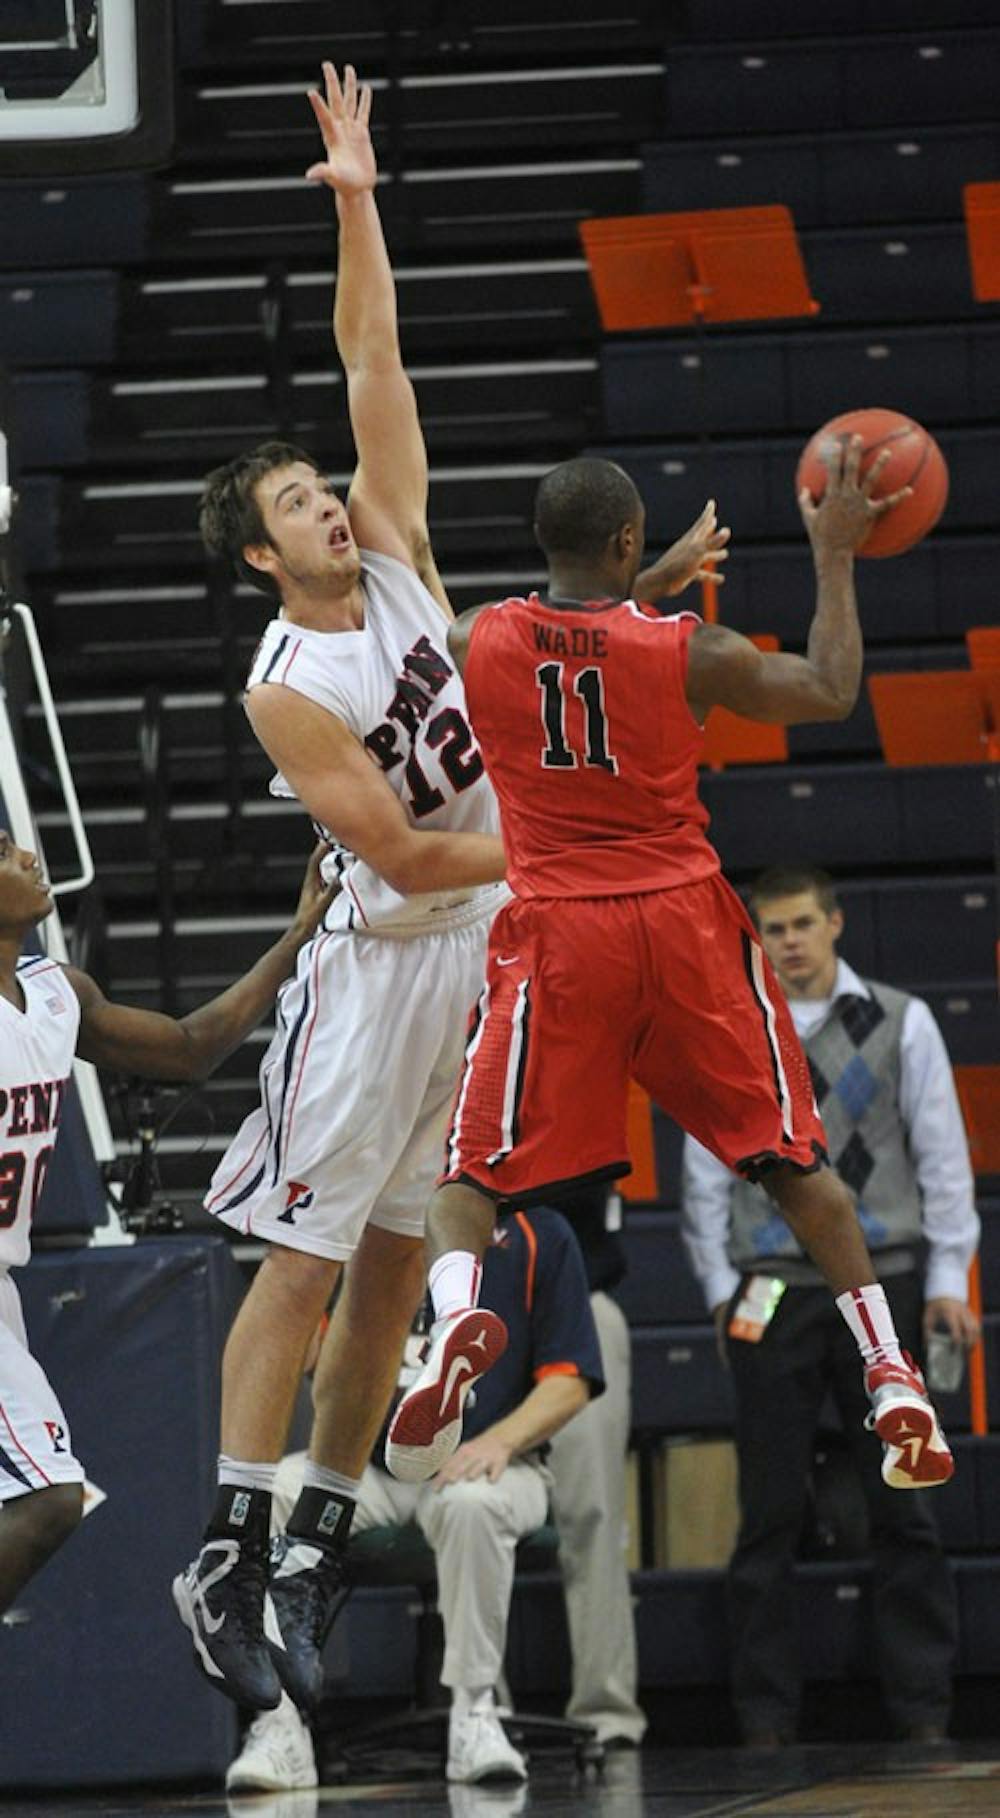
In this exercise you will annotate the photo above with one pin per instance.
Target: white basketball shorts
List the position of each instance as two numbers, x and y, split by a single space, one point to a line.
355 1090
35 1446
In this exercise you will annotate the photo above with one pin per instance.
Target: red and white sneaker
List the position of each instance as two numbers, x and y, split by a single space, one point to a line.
427 1425
916 1451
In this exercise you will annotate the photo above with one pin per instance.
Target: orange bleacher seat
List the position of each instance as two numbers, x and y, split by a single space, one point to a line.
983 645
709 265
938 716
982 226
979 1097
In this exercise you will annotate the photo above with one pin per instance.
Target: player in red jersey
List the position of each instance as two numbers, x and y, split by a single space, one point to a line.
625 953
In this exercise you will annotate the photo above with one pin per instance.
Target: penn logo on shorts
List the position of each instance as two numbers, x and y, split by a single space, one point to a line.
57 1435
300 1198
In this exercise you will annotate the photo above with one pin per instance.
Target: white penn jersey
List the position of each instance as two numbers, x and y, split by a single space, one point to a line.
394 684
36 1059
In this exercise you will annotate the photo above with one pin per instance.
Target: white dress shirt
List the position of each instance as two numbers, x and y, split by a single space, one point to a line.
935 1137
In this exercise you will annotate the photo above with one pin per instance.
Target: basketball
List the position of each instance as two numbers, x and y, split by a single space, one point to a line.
914 460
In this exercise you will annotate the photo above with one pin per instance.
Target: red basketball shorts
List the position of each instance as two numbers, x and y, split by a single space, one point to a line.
672 988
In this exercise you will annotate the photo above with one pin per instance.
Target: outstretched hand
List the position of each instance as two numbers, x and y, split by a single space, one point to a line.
349 166
843 517
315 896
692 558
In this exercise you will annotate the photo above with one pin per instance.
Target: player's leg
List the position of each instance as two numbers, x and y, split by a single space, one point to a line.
32 1528
302 1175
400 1093
540 1103
915 1618
355 1376
724 1058
220 1597
41 1482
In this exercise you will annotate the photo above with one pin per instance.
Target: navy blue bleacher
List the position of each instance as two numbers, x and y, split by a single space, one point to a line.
871 81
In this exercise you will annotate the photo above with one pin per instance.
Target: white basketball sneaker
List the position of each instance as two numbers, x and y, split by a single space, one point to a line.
427 1425
478 1749
277 1754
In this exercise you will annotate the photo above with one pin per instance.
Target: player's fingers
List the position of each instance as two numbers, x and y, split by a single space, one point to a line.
883 505
716 548
350 91
365 106
709 574
334 95
807 505
324 118
852 460
871 477
832 456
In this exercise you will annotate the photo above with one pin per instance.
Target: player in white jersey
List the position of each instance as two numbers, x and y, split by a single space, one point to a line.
355 699
48 1013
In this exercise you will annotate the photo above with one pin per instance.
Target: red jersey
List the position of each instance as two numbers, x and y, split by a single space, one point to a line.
584 726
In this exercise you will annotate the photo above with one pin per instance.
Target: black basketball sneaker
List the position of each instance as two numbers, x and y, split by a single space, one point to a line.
220 1600
306 1590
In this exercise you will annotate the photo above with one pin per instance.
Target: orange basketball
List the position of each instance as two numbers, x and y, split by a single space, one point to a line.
914 460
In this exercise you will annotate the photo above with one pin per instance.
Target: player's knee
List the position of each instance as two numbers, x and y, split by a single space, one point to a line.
302 1278
55 1514
820 1191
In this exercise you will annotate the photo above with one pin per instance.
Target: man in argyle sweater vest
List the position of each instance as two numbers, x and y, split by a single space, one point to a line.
886 1095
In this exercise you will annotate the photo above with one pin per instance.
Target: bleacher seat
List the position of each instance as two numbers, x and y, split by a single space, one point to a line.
76 223
871 81
967 1014
724 384
849 179
438 111
755 481
49 315
678 1382
839 815
947 814
936 929
715 21
890 274
503 303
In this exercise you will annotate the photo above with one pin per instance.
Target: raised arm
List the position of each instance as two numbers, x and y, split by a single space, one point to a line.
160 1047
388 496
727 670
345 792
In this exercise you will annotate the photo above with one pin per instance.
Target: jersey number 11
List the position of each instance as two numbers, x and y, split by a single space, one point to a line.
588 686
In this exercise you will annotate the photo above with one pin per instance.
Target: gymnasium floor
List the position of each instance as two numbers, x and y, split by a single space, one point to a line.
860 1781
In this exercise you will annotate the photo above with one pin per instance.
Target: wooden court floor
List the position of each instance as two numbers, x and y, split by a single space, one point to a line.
854 1781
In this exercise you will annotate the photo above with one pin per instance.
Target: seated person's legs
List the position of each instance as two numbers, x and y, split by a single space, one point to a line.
474 1527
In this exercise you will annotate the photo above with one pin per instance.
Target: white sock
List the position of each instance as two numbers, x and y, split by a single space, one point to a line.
454 1282
866 1311
321 1477
246 1476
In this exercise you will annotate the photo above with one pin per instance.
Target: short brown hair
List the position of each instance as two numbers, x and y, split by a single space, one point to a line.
793 880
230 517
